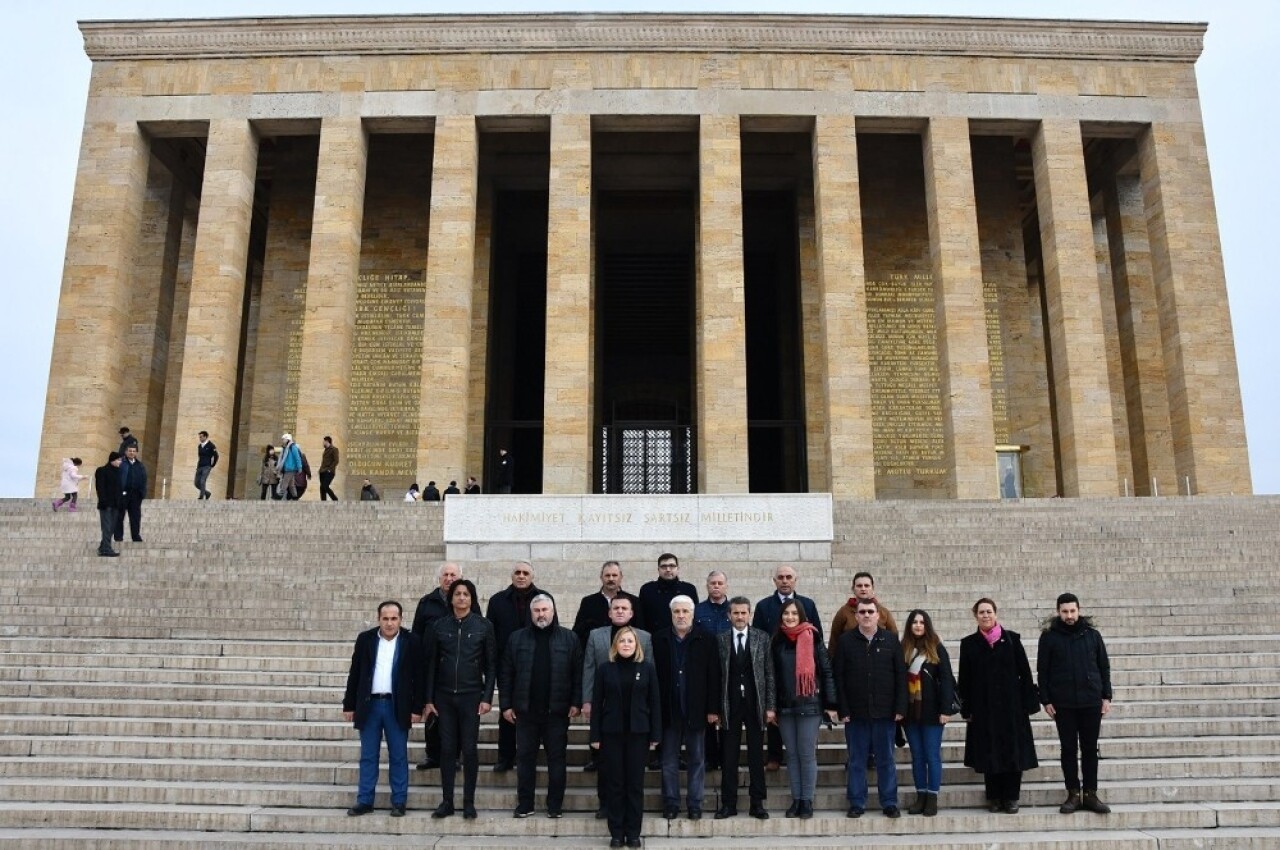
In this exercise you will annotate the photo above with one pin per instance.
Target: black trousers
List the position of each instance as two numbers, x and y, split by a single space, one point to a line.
107 519
623 758
132 507
552 733
775 743
459 725
326 492
745 718
1081 725
711 746
506 740
431 734
1003 786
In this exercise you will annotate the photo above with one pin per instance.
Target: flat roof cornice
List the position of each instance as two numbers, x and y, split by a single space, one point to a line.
211 38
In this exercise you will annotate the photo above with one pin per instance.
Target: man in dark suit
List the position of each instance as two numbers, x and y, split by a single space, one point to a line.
432 607
688 665
132 486
768 611
593 610
509 612
384 697
106 482
748 701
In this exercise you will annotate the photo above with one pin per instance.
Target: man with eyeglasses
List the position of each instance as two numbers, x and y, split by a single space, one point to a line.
509 611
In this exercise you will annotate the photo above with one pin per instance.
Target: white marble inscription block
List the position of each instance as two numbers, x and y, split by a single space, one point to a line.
650 519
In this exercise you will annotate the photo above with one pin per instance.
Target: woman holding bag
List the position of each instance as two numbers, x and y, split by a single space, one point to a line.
931 700
997 697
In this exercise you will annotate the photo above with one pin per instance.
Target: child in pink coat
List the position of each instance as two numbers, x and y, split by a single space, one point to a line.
71 479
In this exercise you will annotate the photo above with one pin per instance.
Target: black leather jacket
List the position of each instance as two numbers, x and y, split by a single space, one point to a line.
465 657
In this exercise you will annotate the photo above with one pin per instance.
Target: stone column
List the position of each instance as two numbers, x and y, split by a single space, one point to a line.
329 318
1085 438
568 395
815 391
963 366
1138 324
86 371
843 308
1205 411
446 339
206 400
720 311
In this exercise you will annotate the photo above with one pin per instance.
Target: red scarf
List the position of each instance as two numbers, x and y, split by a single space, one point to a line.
802 636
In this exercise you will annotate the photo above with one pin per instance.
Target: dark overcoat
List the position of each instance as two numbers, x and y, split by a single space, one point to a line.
997 697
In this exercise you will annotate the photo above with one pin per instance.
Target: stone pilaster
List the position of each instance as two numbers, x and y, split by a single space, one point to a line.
720 310
1205 411
842 308
1138 326
328 325
86 371
567 397
963 365
446 340
177 340
206 401
479 382
815 398
1120 424
1086 441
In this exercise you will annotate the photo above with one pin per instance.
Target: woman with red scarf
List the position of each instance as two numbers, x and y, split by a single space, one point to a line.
997 698
805 688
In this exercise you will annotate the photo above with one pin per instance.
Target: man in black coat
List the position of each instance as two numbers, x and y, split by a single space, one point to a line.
509 611
768 612
384 697
1075 690
106 482
540 685
656 595
593 610
132 486
871 681
688 663
432 607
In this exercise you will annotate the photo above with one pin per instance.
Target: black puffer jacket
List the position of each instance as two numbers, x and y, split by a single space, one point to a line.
1072 666
515 676
871 677
465 658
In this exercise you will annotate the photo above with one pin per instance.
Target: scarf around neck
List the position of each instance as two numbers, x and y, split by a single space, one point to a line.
802 636
992 636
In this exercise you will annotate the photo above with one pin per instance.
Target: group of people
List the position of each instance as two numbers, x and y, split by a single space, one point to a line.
431 493
669 682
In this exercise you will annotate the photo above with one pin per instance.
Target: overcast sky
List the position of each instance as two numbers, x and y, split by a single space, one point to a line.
42 58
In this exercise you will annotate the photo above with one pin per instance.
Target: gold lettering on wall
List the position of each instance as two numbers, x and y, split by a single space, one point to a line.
905 383
995 356
386 369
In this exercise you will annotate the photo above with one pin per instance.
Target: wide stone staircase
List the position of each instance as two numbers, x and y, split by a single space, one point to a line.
187 693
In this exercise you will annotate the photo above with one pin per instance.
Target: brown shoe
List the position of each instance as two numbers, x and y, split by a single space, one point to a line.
1093 804
930 805
1071 804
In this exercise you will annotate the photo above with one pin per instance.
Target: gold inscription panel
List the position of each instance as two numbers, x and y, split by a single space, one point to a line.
995 355
386 370
910 451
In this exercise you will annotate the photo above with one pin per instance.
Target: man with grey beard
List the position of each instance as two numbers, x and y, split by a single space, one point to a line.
540 684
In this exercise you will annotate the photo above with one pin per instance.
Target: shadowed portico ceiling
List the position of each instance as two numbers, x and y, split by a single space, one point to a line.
649 33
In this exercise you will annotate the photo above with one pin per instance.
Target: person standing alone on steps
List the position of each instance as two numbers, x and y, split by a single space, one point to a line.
206 460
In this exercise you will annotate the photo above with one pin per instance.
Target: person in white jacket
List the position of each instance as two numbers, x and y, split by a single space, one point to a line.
71 479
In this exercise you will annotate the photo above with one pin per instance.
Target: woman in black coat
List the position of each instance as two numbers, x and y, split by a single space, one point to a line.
626 722
997 698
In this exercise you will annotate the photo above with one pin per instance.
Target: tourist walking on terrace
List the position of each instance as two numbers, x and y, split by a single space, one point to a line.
268 476
806 688
106 480
290 467
1075 689
206 460
626 722
70 483
931 700
328 469
997 698
384 697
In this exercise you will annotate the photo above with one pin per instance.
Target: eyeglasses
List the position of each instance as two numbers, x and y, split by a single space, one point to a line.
867 613
521 573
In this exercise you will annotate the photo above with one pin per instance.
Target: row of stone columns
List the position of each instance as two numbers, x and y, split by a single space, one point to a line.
1197 349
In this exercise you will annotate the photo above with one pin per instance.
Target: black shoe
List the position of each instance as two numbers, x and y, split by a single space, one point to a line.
671 812
635 842
695 814
602 813
854 812
137 539
793 809
615 842
554 813
443 810
759 812
995 806
726 812
1011 807
892 812
655 763
397 811
108 554
428 764
469 811
806 809
359 809
502 766
522 812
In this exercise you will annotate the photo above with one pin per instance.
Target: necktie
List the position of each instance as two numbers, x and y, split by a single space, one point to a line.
742 642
